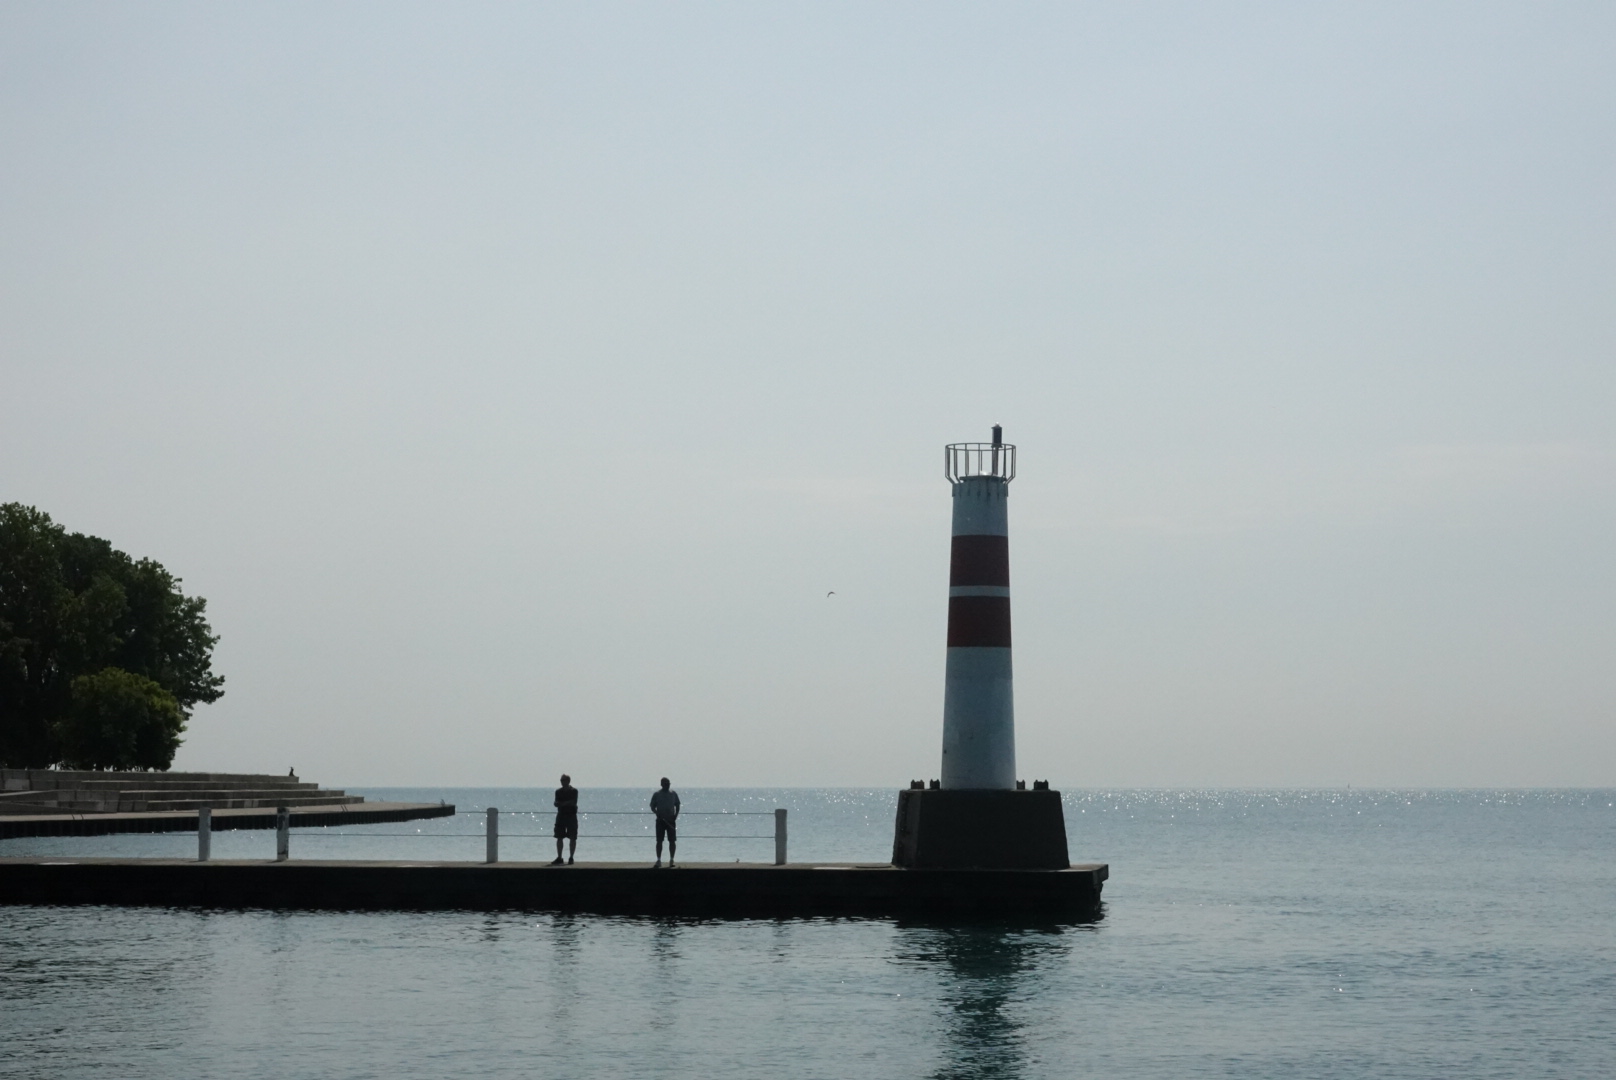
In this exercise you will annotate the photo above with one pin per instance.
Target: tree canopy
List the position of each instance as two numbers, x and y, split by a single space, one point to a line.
102 657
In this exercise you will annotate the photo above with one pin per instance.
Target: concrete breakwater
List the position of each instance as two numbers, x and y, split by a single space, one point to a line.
63 802
60 791
734 889
169 821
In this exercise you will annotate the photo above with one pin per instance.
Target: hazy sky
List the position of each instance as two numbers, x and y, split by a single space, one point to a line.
515 380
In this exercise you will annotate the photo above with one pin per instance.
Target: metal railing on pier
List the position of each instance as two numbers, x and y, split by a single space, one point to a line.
491 831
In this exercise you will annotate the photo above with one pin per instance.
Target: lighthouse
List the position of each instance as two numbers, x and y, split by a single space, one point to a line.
977 814
979 719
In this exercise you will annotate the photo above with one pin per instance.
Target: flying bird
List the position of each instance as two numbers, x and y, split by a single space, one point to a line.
830 594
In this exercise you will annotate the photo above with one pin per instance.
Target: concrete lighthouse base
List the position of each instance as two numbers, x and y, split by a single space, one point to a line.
949 828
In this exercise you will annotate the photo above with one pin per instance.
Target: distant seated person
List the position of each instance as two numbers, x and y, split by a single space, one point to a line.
566 826
665 805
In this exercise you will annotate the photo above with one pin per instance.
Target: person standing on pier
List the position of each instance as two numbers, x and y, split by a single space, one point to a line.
665 805
566 825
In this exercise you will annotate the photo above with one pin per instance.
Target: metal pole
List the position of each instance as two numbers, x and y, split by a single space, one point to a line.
493 834
283 834
204 833
779 838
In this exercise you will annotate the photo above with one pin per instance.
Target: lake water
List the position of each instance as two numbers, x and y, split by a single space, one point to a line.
1245 934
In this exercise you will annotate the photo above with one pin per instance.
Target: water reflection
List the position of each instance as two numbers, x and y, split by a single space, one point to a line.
986 976
566 942
666 971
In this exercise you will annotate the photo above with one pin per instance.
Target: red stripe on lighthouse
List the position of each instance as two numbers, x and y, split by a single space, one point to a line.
978 622
980 560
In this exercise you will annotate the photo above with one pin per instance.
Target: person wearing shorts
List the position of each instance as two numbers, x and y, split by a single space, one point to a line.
665 805
566 825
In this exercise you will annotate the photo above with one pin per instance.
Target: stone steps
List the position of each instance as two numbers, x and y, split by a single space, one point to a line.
10 806
36 779
150 783
53 791
136 806
204 794
322 799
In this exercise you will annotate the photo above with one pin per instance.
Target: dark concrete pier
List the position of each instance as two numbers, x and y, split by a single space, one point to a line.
734 889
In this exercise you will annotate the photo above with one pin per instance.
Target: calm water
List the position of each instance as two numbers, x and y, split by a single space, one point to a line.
1245 934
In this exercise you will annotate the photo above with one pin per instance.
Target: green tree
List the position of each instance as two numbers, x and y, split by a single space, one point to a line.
119 720
71 606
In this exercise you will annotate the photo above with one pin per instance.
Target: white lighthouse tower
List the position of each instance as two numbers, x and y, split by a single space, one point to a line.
978 815
979 717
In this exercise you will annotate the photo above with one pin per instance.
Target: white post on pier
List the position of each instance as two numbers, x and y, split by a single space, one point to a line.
780 837
493 834
283 834
204 833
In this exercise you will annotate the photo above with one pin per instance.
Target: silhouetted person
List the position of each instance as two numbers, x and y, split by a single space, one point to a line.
566 826
665 805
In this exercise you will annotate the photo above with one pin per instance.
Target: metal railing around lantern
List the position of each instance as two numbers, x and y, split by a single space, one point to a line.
962 461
